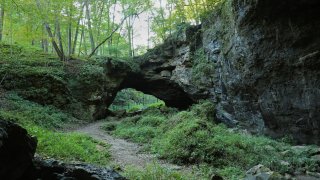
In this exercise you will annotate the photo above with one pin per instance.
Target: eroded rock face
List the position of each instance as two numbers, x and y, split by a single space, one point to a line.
16 150
268 66
166 71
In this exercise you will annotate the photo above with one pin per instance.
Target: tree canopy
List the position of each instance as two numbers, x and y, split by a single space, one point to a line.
73 28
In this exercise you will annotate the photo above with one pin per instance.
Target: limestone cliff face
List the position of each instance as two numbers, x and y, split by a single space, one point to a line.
166 71
268 66
266 56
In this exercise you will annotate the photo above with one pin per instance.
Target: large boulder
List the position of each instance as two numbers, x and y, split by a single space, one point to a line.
17 149
53 169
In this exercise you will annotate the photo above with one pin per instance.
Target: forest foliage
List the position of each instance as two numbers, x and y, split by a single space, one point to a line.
73 28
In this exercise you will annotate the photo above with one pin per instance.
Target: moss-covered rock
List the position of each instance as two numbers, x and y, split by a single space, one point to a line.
83 88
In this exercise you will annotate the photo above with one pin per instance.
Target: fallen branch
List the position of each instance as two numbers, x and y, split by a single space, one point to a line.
107 38
4 77
114 31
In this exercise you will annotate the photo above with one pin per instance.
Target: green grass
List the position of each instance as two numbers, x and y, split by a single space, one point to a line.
25 112
155 172
193 138
137 133
142 129
43 121
70 146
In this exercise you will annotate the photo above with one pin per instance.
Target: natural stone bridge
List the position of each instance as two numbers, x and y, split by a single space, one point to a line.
267 67
266 76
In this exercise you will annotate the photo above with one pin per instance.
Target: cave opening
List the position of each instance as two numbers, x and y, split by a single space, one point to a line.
131 100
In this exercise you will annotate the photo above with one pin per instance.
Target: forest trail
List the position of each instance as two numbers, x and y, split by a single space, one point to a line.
123 152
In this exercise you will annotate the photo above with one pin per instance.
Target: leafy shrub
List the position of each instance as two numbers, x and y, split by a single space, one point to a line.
204 109
152 121
231 173
110 126
135 108
185 143
159 104
145 127
140 134
202 70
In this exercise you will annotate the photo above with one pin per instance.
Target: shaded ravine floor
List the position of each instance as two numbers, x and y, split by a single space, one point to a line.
123 152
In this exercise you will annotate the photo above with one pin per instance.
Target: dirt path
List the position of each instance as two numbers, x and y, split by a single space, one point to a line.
123 152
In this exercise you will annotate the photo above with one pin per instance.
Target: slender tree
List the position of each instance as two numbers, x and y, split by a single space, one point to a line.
1 19
75 40
88 16
107 38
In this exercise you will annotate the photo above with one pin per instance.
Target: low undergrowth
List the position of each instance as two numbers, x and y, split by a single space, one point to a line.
43 122
193 138
155 172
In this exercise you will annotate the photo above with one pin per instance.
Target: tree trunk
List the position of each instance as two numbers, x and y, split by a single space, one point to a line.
81 39
54 43
70 32
58 29
77 31
132 44
1 20
148 31
89 26
129 36
113 20
107 38
85 43
100 21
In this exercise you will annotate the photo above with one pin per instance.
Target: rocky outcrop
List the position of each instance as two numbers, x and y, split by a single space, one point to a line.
52 169
83 89
16 150
261 172
267 66
265 55
166 71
